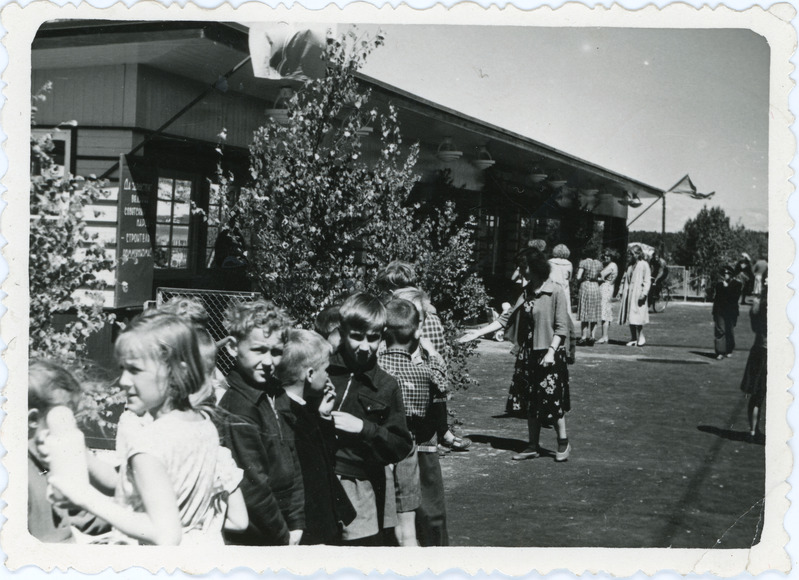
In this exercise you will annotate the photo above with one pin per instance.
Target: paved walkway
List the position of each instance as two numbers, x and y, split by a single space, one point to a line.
660 457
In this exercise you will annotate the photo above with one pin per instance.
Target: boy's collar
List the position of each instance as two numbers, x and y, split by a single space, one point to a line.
338 366
250 392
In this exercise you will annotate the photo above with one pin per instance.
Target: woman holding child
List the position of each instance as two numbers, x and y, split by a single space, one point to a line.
542 320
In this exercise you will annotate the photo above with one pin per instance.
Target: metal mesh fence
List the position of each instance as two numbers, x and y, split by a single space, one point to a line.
215 303
685 284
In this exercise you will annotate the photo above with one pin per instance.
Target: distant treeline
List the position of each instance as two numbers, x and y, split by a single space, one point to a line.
707 242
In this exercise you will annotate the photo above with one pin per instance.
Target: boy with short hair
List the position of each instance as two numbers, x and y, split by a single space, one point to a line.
303 375
257 433
421 380
369 417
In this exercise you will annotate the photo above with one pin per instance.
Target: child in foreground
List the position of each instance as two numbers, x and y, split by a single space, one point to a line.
256 430
369 417
422 376
50 386
176 484
303 375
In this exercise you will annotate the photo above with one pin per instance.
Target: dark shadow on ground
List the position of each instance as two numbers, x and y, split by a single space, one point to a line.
507 416
617 342
673 361
704 353
759 438
505 443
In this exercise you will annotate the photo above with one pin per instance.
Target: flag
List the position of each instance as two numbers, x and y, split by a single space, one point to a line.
686 187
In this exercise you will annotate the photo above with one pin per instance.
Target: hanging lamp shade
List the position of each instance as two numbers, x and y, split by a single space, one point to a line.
484 160
446 151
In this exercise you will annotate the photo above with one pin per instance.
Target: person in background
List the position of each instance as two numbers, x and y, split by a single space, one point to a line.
725 312
398 275
745 275
635 290
327 324
589 303
561 272
607 286
754 380
759 270
660 271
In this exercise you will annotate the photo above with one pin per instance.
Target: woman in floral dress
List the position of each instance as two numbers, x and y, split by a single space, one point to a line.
541 377
607 278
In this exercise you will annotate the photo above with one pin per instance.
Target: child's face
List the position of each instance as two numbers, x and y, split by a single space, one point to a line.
361 345
145 382
258 355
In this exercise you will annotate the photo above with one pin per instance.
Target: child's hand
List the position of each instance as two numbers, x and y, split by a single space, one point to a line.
294 537
328 400
67 492
346 422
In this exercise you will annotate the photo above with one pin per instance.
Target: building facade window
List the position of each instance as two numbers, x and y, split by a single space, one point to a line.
173 223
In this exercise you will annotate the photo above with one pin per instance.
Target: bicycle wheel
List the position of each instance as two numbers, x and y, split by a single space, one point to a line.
659 303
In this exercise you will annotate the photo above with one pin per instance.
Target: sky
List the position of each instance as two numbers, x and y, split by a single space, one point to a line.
652 104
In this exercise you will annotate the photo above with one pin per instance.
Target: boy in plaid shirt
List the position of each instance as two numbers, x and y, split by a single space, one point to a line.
418 475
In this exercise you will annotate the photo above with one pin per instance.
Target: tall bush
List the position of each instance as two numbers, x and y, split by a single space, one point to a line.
320 220
65 257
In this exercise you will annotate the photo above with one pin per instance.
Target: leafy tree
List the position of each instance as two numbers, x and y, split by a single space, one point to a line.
64 257
708 242
320 220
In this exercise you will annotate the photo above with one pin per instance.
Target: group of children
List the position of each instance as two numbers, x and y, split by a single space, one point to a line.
327 437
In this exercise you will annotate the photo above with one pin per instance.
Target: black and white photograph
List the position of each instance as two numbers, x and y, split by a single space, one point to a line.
370 290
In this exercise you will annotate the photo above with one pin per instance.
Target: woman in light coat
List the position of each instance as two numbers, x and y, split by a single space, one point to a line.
635 289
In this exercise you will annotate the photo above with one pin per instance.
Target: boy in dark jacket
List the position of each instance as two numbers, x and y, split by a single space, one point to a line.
303 376
256 431
369 417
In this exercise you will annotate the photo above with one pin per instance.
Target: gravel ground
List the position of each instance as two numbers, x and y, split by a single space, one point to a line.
659 456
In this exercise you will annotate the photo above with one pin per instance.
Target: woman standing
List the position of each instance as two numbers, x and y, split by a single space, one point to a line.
607 279
541 374
634 310
561 272
589 303
725 312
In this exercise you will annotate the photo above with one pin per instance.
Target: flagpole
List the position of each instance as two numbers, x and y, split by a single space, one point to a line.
643 212
663 228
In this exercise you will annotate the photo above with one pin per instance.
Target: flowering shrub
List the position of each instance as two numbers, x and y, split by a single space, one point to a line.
64 257
320 221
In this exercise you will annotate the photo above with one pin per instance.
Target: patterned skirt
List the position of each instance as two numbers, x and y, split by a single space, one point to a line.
589 306
606 293
540 391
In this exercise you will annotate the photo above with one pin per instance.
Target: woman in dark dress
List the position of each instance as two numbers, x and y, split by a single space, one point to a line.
754 381
540 377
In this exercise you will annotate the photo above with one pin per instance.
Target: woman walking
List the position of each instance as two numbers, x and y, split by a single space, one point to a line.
607 279
589 303
635 289
541 374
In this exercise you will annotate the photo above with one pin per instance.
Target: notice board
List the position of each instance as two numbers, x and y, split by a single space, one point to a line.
134 256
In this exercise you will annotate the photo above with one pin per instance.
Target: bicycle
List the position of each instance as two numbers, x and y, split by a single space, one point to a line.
662 299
